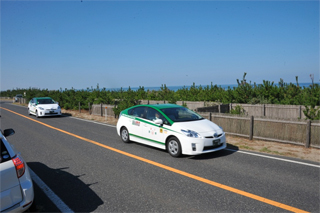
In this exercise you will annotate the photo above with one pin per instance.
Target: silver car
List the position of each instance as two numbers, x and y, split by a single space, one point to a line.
16 185
17 97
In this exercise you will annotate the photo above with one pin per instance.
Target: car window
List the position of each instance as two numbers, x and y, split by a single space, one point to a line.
181 114
4 155
138 112
45 101
153 114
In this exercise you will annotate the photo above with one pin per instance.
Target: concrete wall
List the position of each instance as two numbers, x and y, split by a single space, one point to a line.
276 111
258 110
20 100
273 110
267 129
193 105
98 109
315 134
221 108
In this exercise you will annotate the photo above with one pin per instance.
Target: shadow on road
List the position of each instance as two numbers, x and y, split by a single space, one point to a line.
76 194
212 155
218 154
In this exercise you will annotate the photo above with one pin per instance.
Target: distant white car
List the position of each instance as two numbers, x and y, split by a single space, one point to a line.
43 106
170 127
17 194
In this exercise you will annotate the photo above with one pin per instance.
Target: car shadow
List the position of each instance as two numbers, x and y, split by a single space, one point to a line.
76 194
218 154
206 156
66 114
63 115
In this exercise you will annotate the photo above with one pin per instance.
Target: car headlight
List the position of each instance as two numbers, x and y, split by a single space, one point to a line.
59 107
41 108
191 133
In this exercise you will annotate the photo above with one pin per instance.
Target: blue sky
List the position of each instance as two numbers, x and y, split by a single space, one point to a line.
65 44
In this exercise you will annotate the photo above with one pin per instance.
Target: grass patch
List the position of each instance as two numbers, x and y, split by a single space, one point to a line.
265 149
246 147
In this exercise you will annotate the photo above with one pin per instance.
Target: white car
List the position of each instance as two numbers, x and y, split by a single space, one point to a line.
43 106
16 184
170 127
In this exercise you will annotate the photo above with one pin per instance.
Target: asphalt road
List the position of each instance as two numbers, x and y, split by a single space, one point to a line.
91 170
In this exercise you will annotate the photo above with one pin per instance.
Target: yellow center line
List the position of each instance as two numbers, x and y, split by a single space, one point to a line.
186 174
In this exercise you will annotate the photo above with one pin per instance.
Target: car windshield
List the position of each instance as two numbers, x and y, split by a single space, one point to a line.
45 101
181 114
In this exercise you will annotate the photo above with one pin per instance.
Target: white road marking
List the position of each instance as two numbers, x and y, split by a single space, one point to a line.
93 122
275 158
50 194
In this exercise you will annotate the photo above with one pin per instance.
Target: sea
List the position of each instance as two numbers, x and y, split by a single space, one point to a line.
176 88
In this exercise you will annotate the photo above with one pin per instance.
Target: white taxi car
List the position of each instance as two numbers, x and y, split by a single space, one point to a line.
17 194
170 127
43 106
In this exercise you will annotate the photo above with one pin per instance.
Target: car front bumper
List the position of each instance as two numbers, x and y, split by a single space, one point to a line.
49 112
197 146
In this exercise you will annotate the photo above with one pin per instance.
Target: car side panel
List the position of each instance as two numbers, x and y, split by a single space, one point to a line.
152 135
10 186
32 108
8 176
133 124
9 197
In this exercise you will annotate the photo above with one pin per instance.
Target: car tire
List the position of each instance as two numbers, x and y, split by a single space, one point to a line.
174 147
29 112
124 133
37 114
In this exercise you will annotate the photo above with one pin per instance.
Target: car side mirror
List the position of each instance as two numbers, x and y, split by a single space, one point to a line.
8 132
158 121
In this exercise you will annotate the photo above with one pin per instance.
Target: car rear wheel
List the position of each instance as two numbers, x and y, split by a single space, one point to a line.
174 147
125 135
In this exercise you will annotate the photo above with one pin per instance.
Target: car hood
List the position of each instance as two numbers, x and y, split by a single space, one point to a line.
200 126
48 106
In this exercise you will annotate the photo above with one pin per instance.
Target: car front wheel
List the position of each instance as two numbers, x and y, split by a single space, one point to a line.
125 135
174 147
37 114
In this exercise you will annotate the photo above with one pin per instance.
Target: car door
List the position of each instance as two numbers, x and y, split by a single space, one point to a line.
152 132
32 106
134 125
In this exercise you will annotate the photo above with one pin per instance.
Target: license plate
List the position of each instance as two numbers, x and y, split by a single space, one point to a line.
51 112
216 142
